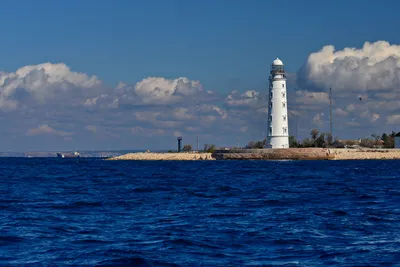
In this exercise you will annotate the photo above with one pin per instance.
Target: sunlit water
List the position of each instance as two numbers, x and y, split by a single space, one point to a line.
203 213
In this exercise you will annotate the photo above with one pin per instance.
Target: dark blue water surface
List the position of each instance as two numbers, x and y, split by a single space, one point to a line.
202 213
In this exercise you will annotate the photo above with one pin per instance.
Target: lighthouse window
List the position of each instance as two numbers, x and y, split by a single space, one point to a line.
283 85
270 130
284 117
270 95
270 104
270 117
284 104
284 130
283 94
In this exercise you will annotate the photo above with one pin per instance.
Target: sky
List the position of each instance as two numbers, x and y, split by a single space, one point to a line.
97 74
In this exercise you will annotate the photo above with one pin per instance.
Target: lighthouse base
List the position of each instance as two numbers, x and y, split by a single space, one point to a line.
278 141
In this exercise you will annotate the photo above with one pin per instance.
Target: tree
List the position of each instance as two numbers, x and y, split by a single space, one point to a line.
365 142
307 142
329 139
293 141
256 144
388 140
376 138
314 134
320 141
385 138
209 148
187 148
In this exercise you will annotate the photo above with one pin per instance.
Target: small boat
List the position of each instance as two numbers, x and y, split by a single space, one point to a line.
74 155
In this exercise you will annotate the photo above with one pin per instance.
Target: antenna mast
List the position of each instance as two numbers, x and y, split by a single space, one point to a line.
197 142
330 111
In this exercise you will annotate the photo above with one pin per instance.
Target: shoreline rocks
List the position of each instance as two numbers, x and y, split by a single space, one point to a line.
274 154
164 156
271 154
364 154
308 154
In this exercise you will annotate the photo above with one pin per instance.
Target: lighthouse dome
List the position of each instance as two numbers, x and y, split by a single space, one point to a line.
277 62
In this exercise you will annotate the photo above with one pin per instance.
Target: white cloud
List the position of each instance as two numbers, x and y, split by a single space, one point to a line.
393 119
250 98
41 83
45 129
375 66
177 133
341 112
147 131
318 119
158 90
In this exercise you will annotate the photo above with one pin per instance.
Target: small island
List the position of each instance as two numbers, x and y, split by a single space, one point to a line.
319 147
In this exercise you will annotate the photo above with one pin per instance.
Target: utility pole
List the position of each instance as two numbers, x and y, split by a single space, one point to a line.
330 111
197 142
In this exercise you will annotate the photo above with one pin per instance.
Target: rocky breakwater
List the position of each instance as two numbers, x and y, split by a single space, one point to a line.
163 156
274 154
365 153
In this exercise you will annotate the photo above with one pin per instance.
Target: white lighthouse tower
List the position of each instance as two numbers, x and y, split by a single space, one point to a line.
278 132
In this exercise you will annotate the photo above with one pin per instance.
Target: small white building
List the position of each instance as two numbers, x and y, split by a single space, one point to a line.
397 140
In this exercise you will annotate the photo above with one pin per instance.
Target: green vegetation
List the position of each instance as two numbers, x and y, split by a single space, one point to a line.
256 144
209 148
187 148
320 139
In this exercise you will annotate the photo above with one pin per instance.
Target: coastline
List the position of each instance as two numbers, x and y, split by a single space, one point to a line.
271 154
164 156
365 153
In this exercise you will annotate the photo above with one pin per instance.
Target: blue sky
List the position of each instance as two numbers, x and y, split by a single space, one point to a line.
226 45
218 42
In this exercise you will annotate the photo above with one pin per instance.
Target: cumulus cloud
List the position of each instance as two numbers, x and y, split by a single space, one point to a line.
340 112
365 84
250 98
45 129
374 67
160 90
38 84
318 119
393 119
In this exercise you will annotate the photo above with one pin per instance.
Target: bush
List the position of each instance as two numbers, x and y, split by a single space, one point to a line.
209 148
187 148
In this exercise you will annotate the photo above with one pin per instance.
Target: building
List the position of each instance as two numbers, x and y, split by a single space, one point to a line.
278 130
397 140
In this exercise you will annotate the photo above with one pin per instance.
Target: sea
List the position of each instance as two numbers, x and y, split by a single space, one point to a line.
93 212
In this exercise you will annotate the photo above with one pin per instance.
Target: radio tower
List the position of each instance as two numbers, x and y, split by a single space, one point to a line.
330 111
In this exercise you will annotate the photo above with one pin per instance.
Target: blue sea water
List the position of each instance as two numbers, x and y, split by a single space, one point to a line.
79 212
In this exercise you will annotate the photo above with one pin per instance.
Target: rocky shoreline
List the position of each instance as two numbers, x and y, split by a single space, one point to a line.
307 154
361 154
271 154
164 156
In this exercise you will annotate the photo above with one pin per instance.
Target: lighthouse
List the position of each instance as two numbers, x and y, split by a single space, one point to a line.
278 132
